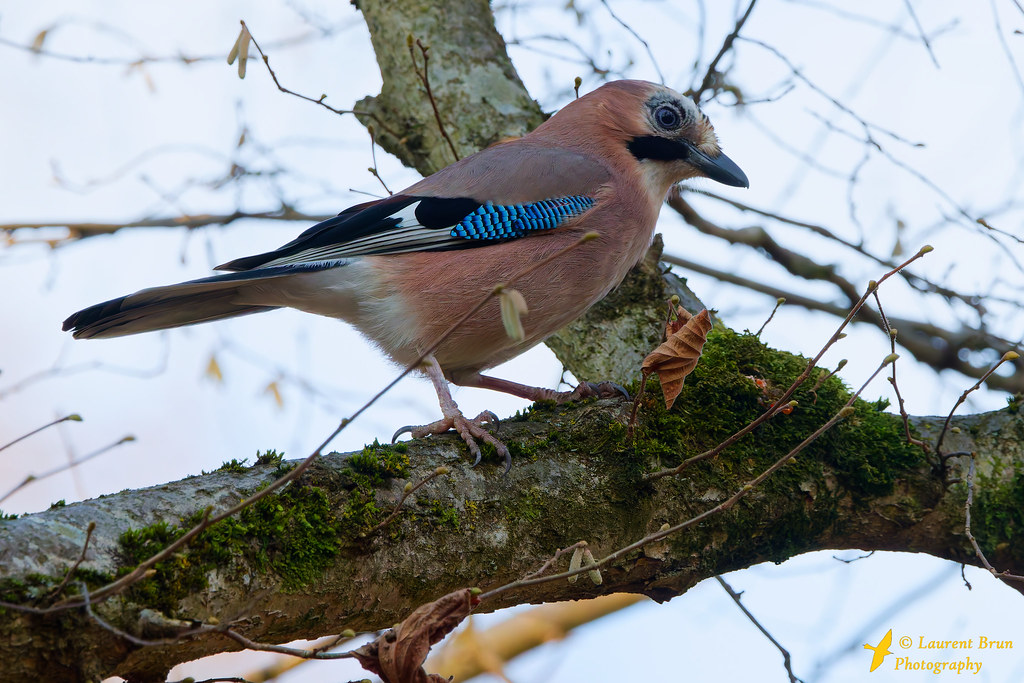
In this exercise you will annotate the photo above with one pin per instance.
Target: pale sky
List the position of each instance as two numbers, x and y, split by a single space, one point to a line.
127 142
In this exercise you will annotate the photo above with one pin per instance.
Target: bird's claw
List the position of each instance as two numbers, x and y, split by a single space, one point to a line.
402 430
469 430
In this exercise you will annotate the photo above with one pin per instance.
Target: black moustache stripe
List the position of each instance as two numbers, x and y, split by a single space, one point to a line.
658 148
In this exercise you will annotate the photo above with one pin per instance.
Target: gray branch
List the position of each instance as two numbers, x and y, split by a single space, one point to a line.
575 477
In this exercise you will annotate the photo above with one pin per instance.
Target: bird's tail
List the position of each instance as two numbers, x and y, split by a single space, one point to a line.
187 303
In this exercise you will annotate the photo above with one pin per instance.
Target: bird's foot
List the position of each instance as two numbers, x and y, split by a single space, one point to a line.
470 430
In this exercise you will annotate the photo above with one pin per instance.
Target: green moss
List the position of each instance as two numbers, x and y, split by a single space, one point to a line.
380 462
234 465
268 457
361 511
997 518
365 472
441 515
736 380
7 515
527 506
294 534
59 504
39 589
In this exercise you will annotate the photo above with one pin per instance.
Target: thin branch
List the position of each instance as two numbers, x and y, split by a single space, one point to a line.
757 237
81 558
408 491
778 303
89 229
424 77
37 50
921 339
892 332
650 54
63 468
921 33
970 536
284 649
918 282
712 74
1006 48
373 155
74 417
1008 356
786 659
318 100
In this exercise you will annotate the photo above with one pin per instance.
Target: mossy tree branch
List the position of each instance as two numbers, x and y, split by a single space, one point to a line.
299 566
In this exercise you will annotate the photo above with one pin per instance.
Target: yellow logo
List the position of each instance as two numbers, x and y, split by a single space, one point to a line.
881 650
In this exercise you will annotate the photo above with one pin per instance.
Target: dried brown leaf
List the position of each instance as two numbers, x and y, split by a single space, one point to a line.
678 354
397 656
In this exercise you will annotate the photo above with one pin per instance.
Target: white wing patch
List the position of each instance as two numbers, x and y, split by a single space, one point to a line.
407 235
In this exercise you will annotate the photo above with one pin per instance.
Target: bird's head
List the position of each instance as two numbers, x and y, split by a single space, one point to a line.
657 127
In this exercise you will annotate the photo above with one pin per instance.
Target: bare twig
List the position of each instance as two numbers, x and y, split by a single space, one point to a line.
1006 48
712 75
778 302
283 649
554 558
424 77
918 282
970 536
64 467
892 332
921 33
134 63
824 376
74 417
647 47
1008 356
89 229
317 100
928 343
786 659
81 558
758 238
408 491
373 155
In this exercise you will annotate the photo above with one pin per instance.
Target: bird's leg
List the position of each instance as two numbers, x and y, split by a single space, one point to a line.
469 430
582 390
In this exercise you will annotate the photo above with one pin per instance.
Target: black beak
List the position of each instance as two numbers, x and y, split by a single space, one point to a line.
721 168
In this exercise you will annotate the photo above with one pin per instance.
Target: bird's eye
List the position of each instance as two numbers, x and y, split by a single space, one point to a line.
667 118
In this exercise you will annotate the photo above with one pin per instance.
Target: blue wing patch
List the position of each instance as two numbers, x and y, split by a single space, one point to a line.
495 222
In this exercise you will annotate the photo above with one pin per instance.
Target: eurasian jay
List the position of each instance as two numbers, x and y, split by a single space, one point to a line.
403 269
